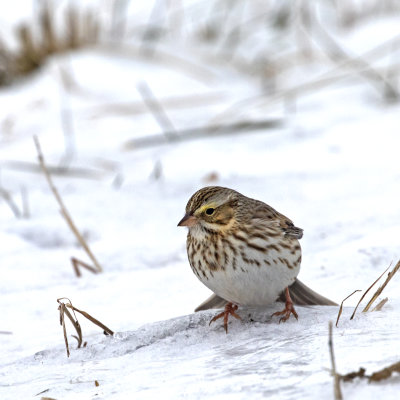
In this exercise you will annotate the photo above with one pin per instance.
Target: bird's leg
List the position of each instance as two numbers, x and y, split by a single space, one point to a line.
229 310
289 308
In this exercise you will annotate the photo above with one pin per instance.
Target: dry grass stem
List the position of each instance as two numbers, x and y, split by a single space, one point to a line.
380 289
173 102
11 203
326 79
362 297
107 331
66 119
40 38
76 263
161 57
379 306
25 203
63 209
336 378
352 375
72 172
63 308
341 306
203 132
357 64
377 376
385 373
157 110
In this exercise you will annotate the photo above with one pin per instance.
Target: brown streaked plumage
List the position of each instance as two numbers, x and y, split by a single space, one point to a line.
245 251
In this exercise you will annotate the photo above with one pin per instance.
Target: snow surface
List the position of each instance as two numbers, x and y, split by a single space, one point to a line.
333 168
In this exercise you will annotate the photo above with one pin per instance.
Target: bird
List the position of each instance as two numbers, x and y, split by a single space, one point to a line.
245 252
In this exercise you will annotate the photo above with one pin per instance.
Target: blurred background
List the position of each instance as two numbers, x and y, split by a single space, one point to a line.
138 104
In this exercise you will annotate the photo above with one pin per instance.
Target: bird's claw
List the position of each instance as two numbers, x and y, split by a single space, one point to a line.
229 310
289 309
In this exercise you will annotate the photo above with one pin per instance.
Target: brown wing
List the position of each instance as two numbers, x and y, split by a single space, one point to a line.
269 215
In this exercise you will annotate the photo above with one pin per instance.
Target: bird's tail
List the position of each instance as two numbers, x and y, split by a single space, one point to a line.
301 295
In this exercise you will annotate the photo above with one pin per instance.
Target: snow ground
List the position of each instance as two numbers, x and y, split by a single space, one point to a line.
332 168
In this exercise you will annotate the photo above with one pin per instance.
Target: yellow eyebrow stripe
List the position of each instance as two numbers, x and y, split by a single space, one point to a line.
203 208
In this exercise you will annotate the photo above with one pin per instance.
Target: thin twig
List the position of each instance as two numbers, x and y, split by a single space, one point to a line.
63 308
63 210
73 172
380 289
64 311
341 306
157 110
362 297
358 64
188 67
78 263
203 132
25 203
336 378
171 102
107 330
379 306
75 323
385 372
11 203
322 81
376 376
66 118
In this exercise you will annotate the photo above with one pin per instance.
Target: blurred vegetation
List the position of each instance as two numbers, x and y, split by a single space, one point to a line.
261 39
41 37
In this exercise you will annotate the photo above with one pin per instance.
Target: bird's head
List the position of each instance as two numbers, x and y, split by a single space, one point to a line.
212 208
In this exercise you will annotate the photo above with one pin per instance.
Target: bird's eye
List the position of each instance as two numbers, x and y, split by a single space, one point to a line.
210 211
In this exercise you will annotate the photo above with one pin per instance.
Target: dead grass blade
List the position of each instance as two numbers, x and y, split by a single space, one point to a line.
341 306
380 289
106 330
333 76
11 203
172 102
66 118
38 39
336 377
380 304
63 308
377 376
63 209
157 110
25 203
74 172
203 132
352 375
76 263
385 373
362 297
358 64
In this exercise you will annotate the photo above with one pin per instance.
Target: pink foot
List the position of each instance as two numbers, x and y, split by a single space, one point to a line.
229 310
289 308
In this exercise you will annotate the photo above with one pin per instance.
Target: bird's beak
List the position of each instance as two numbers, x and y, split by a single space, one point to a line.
188 220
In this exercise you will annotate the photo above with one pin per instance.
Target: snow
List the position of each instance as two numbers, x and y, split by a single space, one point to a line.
332 168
